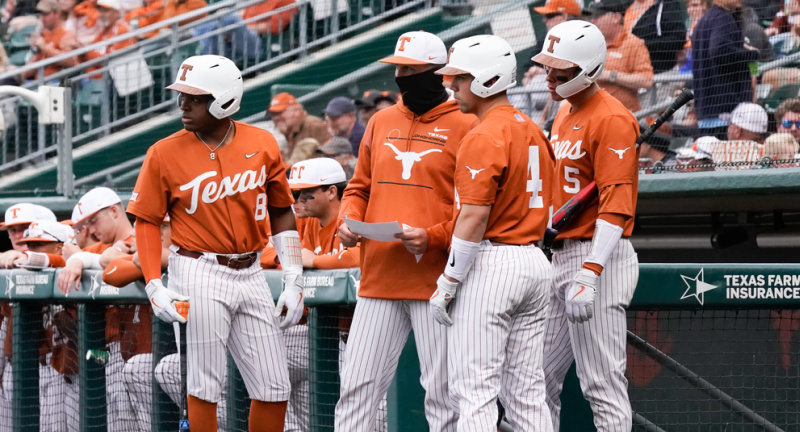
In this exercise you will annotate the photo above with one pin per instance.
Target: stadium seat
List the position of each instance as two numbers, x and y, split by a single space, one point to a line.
20 40
782 93
89 102
19 58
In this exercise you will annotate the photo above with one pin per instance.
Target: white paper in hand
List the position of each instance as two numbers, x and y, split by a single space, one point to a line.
384 231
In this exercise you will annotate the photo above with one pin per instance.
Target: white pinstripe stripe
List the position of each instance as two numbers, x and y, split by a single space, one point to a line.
598 345
495 343
378 334
230 309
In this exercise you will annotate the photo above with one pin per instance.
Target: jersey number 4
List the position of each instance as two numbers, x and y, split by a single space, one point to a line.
534 185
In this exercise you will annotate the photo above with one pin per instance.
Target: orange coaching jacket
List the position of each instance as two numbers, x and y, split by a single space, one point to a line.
405 174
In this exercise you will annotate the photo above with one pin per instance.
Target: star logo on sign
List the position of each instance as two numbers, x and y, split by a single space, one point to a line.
9 285
700 287
97 281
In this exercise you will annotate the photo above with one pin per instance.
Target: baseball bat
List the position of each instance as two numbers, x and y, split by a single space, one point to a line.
577 203
180 329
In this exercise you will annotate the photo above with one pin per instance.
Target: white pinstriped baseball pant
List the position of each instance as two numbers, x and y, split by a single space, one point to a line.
597 345
234 309
495 343
377 336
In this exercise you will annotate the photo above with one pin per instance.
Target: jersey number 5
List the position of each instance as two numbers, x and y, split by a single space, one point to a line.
534 185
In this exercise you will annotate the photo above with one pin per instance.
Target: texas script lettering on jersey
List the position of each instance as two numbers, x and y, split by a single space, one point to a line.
566 149
213 191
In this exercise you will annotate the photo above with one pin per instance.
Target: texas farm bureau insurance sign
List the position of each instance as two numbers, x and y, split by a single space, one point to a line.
718 285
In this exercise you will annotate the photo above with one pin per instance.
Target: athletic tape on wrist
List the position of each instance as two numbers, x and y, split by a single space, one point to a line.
606 237
287 245
37 259
91 261
462 254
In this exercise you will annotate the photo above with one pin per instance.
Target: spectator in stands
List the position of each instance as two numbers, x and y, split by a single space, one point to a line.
781 150
273 24
110 20
785 20
297 125
82 20
53 40
237 44
538 104
693 158
101 211
18 14
372 102
340 149
787 116
340 116
720 66
748 122
661 25
628 67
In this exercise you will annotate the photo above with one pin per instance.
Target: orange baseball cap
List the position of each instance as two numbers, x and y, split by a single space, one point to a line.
571 7
281 101
418 48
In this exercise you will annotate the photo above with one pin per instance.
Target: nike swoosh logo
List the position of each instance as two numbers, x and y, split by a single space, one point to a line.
154 303
576 127
436 294
436 129
431 58
578 293
453 262
248 156
112 270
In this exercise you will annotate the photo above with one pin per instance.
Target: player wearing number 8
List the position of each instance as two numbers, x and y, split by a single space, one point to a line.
596 269
219 180
496 280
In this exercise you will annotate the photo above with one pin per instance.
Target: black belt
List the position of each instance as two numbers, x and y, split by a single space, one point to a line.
240 262
559 244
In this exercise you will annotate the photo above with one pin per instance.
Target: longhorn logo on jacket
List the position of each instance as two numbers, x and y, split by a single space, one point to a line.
408 158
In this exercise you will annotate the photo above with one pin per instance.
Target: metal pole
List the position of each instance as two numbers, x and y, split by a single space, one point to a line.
65 176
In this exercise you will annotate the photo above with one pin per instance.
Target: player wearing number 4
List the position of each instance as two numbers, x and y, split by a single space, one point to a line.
595 266
496 280
219 180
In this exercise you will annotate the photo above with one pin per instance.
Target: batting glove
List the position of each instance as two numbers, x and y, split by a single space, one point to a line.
580 296
162 301
440 300
292 299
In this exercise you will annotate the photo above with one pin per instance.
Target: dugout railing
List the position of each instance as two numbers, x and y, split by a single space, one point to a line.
710 347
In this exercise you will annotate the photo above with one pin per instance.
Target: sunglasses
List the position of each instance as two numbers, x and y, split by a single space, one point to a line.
551 15
787 124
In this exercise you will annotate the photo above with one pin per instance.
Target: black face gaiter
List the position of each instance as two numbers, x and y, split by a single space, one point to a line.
421 92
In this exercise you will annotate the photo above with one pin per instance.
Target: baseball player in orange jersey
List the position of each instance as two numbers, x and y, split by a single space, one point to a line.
58 351
219 181
405 174
500 277
596 269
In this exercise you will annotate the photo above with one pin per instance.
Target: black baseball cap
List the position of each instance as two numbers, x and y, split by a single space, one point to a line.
602 7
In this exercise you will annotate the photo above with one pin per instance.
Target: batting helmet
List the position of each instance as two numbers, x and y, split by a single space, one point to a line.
571 44
486 58
212 75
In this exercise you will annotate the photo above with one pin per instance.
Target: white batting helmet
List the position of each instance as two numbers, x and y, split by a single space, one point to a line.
485 57
570 44
212 75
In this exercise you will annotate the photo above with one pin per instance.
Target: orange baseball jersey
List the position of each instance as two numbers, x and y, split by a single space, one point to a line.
405 174
61 338
628 54
503 156
217 205
135 327
596 142
324 242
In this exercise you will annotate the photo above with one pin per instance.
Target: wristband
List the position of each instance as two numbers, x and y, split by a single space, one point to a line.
91 261
287 246
37 260
462 254
605 239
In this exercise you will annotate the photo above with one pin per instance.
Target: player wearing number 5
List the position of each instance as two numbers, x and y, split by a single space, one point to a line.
596 269
496 280
219 180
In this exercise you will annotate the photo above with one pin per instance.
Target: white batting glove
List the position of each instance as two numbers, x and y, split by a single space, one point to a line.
162 301
440 300
580 296
292 299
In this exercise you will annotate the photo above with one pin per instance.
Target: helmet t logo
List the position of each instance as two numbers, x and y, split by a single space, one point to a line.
403 41
186 68
14 212
553 40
